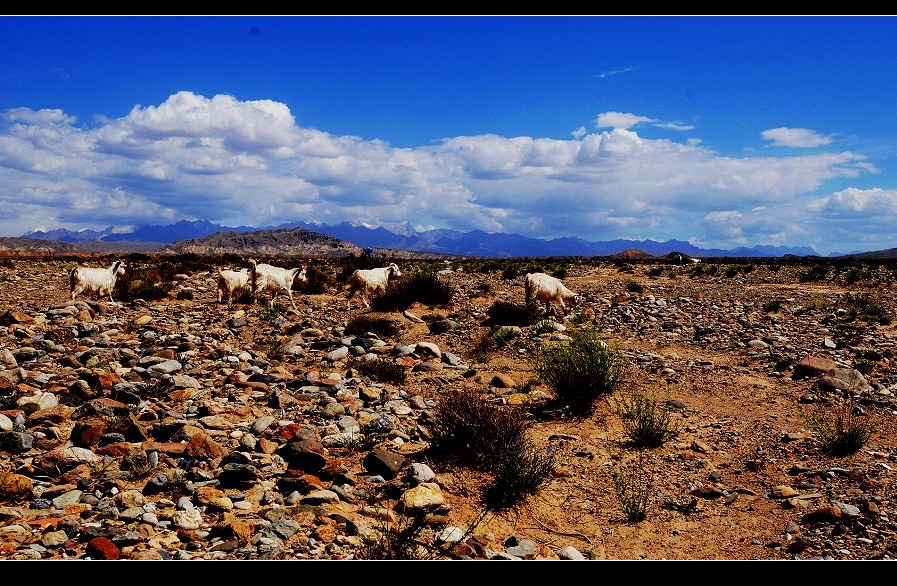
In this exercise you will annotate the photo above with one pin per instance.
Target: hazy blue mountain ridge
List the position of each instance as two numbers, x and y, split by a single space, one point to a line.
441 240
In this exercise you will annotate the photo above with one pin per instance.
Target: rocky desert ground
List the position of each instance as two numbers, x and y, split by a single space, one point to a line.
183 428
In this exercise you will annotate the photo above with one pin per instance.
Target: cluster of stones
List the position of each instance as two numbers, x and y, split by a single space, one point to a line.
193 430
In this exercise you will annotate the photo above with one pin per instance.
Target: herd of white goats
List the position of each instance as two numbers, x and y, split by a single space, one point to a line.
261 277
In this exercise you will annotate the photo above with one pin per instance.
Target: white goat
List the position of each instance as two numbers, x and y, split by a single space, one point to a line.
370 282
545 288
229 282
265 277
95 280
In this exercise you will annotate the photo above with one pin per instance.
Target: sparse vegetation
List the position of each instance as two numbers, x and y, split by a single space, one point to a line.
470 431
270 312
634 286
522 375
582 370
395 537
632 486
421 286
866 308
361 324
319 279
506 313
772 306
814 273
648 422
840 428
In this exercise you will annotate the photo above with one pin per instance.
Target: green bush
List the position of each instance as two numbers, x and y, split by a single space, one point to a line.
648 422
519 470
856 274
840 429
270 312
634 286
150 283
582 370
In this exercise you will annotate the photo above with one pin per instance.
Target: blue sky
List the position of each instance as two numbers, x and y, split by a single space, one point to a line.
720 131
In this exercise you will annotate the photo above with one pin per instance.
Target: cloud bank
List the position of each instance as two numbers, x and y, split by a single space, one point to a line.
249 163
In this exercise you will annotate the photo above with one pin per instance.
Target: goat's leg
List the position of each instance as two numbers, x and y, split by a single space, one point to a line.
293 303
349 299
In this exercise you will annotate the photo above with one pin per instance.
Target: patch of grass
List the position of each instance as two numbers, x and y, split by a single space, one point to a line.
273 311
519 471
400 539
632 486
840 429
355 443
274 349
137 465
856 274
648 422
582 369
867 308
559 273
243 295
484 346
634 286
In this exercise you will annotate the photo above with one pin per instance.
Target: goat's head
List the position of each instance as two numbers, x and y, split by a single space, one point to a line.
394 269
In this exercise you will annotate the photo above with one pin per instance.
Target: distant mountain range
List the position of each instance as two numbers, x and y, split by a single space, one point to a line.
439 241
